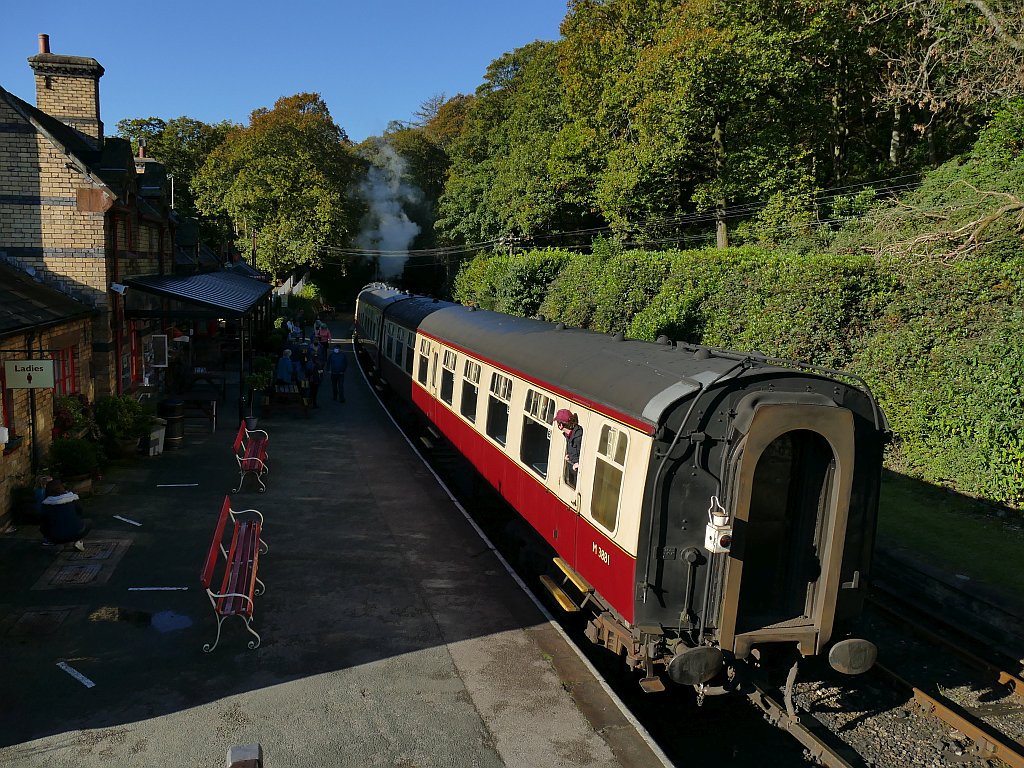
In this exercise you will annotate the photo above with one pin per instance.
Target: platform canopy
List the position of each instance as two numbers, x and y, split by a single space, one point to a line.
229 295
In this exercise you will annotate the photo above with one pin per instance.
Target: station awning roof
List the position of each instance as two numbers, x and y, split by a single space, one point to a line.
230 294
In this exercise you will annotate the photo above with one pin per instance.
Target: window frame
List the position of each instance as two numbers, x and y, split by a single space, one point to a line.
499 395
605 463
470 387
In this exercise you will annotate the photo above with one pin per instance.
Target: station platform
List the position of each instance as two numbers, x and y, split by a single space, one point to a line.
391 634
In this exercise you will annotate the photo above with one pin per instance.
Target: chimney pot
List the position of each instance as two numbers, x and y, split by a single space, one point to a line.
44 43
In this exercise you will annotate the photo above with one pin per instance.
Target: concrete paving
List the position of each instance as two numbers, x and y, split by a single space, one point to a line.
391 635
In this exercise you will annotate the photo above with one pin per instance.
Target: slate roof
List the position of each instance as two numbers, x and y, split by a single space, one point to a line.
234 295
26 304
112 166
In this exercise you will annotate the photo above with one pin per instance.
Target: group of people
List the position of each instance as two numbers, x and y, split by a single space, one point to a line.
308 361
61 519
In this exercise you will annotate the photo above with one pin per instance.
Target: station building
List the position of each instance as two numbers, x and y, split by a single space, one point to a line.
79 215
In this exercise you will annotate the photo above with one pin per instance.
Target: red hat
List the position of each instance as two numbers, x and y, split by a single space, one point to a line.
563 416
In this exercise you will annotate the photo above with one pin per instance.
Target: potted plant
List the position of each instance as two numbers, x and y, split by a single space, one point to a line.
74 460
123 422
254 385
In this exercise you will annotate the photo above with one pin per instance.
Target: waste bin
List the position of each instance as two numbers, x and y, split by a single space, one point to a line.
173 412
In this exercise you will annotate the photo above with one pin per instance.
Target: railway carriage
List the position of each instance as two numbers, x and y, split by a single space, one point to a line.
724 503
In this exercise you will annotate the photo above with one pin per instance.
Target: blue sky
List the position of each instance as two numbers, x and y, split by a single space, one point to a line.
373 61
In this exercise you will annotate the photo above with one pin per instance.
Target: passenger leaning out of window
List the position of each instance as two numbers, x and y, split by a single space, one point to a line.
568 423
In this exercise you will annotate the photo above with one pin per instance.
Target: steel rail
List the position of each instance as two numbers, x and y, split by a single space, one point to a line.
1001 676
991 744
801 727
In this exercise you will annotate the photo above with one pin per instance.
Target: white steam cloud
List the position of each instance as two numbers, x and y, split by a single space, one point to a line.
385 227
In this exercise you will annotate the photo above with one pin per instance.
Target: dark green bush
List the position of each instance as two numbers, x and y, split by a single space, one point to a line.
72 456
121 417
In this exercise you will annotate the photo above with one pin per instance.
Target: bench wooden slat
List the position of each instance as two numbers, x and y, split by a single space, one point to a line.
239 582
215 546
251 448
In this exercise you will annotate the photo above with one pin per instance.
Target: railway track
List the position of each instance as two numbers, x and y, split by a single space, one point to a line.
892 709
962 683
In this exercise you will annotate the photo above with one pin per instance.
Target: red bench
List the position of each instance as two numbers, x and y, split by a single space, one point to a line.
239 585
250 449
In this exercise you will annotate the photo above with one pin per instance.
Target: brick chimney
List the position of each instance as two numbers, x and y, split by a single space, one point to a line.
68 88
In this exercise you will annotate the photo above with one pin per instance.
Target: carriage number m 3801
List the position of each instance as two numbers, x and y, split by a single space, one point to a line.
604 556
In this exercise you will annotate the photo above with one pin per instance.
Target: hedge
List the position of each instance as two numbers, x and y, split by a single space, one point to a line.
941 345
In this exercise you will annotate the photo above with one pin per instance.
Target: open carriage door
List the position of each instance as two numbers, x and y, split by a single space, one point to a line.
790 476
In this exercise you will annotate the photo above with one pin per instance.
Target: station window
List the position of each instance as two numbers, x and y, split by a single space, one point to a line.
611 462
448 376
64 380
497 408
424 361
536 442
470 390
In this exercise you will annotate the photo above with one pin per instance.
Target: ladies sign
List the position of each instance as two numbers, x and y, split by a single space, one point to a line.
28 374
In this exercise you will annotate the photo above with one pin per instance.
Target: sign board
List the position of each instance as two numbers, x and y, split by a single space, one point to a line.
28 374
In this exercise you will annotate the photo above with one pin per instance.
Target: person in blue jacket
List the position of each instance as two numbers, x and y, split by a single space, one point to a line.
62 521
284 373
336 365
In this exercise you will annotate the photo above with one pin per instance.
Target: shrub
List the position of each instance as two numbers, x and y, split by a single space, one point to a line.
70 414
73 456
121 417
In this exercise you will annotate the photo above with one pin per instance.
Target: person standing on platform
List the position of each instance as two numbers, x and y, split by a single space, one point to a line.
313 373
284 373
336 365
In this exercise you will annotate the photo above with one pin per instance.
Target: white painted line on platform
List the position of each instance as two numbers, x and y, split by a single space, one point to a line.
76 674
177 485
620 705
157 589
133 522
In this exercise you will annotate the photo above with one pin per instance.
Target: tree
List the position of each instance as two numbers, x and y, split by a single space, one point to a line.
283 180
182 145
500 183
950 59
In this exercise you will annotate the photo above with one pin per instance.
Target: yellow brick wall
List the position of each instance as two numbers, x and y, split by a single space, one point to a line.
16 466
66 98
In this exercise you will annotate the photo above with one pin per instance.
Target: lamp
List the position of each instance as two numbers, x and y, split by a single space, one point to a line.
118 288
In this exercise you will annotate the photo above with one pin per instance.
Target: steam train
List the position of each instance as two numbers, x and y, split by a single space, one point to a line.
724 504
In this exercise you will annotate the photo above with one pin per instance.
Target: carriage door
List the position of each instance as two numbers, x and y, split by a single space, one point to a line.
423 378
790 490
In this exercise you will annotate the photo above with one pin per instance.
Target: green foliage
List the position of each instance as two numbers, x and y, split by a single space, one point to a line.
70 414
285 177
121 417
182 146
70 457
515 284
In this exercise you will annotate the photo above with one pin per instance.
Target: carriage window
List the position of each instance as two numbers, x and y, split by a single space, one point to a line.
388 339
410 351
448 376
533 450
399 345
497 407
470 390
424 361
611 461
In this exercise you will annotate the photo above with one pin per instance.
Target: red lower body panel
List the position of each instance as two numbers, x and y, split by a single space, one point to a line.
592 554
